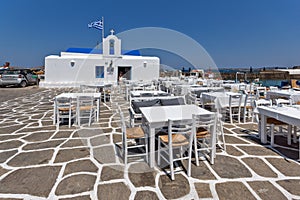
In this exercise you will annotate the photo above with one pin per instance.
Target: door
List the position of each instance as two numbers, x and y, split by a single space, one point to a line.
124 72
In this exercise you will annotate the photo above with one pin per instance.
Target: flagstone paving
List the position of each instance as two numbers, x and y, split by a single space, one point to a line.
40 161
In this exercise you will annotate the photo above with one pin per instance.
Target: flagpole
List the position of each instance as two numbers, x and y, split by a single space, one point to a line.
102 29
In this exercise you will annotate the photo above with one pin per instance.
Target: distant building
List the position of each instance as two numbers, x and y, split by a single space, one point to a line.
73 68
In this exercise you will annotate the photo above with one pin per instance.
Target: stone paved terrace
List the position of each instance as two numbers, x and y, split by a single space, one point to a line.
38 161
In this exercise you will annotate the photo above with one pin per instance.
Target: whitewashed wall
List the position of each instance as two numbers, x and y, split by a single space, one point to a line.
60 73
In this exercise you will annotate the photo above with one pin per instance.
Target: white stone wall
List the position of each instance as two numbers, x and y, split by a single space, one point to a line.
60 72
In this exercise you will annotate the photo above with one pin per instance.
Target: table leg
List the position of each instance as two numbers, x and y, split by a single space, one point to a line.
289 135
98 108
262 128
151 147
54 112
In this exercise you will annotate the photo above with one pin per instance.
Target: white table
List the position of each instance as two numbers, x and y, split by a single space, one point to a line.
220 99
287 114
157 117
135 86
293 95
138 93
97 96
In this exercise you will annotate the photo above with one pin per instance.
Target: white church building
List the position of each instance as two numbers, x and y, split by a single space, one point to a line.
73 68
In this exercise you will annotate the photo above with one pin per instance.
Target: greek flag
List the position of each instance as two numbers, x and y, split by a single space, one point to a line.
96 24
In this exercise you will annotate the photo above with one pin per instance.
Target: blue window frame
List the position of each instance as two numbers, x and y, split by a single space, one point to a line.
99 71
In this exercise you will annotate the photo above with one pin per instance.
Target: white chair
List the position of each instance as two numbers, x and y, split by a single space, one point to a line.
273 88
260 102
219 128
107 89
129 140
86 109
242 87
271 122
180 137
261 92
280 102
248 107
205 135
191 98
65 109
150 88
235 102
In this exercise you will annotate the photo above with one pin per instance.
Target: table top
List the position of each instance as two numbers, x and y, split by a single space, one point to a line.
138 93
75 95
288 114
284 92
159 114
220 94
292 111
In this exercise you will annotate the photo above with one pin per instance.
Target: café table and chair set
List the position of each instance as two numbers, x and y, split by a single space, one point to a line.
181 128
76 107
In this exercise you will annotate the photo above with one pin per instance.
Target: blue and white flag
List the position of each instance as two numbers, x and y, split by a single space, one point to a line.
96 24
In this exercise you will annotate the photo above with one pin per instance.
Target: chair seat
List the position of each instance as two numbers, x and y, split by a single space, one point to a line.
201 132
275 121
135 132
65 109
177 140
86 107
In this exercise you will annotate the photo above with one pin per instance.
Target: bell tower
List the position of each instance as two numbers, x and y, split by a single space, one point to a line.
112 45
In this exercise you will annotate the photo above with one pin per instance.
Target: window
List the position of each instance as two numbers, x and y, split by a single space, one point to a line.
99 71
111 47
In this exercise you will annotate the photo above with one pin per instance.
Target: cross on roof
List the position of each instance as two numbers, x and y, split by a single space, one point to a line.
112 31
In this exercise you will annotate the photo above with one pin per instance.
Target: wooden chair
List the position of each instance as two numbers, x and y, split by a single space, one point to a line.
180 137
280 102
86 109
271 122
261 92
65 109
129 140
107 89
235 102
205 135
248 107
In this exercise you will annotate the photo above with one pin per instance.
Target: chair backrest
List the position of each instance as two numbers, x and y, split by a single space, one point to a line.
180 127
235 100
85 101
243 87
261 92
63 103
191 98
273 88
262 102
280 102
249 100
207 121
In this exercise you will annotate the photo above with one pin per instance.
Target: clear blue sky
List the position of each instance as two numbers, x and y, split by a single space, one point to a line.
234 32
